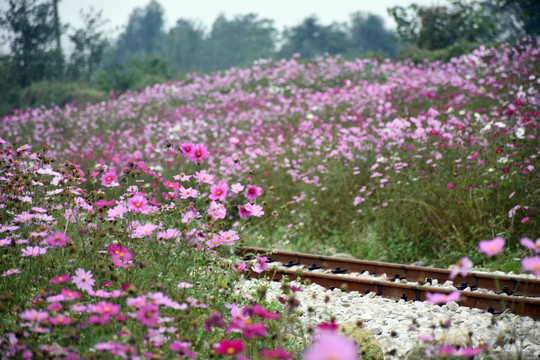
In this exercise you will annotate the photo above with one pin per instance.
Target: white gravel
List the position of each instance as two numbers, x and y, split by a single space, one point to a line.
397 325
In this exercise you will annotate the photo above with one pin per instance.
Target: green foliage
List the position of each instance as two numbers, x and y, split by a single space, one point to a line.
89 46
238 42
31 32
437 27
311 39
51 93
135 74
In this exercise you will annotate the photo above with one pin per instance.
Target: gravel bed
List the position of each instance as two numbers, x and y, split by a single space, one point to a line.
397 325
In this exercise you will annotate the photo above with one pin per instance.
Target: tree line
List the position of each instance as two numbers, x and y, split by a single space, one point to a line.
38 70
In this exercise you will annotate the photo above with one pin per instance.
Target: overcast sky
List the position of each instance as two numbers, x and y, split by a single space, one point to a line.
283 12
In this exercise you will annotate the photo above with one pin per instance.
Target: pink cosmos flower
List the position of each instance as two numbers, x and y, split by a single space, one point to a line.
182 348
84 280
469 352
70 215
104 203
261 264
450 186
60 279
33 251
236 188
188 193
107 308
331 345
447 350
144 230
531 264
218 192
190 215
199 153
108 178
278 353
120 253
244 211
182 177
230 236
217 211
229 347
70 294
60 320
11 272
535 246
438 298
187 149
252 192
491 247
185 285
204 177
463 266
57 239
239 267
138 203
148 314
34 315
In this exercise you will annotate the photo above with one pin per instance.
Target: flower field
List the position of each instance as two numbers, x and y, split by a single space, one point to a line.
121 218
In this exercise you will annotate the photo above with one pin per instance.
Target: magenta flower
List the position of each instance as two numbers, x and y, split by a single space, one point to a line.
531 245
245 211
84 280
438 298
278 353
108 178
463 266
531 264
229 347
331 345
199 153
70 294
447 350
252 192
107 308
57 239
33 251
60 279
60 320
218 192
138 203
182 348
148 314
450 186
187 149
491 247
120 253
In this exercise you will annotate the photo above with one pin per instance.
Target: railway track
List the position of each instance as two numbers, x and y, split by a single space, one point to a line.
493 293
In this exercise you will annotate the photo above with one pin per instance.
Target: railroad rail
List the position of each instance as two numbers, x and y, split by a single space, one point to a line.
519 295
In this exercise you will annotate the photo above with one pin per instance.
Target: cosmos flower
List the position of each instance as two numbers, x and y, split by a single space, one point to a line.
491 247
84 280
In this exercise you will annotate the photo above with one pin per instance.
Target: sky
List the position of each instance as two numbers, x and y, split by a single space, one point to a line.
285 13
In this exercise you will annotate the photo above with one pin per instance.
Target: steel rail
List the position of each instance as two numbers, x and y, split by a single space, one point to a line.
521 305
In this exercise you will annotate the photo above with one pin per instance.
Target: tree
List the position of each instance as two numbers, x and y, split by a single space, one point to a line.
239 42
437 27
89 45
367 34
311 39
528 12
184 46
144 34
32 33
